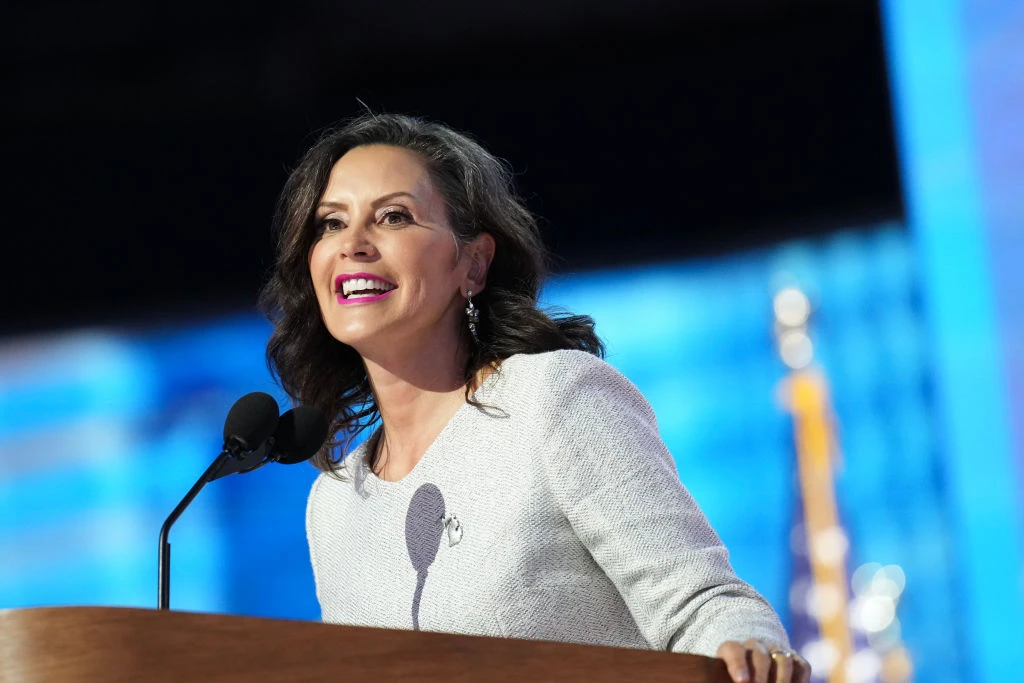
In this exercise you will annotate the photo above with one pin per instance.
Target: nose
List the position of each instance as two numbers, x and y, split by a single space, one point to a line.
357 243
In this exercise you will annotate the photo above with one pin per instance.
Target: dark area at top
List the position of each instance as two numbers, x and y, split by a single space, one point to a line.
146 145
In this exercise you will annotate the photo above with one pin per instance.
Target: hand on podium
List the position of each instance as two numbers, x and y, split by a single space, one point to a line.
753 660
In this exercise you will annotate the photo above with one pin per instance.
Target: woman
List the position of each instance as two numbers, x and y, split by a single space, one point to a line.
517 485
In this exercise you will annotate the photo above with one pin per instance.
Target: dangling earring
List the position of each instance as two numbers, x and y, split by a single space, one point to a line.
472 316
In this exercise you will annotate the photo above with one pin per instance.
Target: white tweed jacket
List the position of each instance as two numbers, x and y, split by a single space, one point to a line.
554 513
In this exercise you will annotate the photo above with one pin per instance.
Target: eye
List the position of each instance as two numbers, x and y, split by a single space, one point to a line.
329 224
395 217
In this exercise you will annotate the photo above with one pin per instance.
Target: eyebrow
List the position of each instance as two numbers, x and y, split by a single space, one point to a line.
376 202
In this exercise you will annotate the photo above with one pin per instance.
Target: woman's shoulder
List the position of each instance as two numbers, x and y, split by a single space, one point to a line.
562 371
557 380
561 367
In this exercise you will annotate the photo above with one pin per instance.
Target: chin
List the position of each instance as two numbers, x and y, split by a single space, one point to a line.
356 336
350 338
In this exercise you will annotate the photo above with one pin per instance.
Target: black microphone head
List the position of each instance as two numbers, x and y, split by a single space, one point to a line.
300 434
251 420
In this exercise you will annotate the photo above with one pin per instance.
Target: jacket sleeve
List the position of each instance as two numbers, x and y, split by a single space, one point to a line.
617 484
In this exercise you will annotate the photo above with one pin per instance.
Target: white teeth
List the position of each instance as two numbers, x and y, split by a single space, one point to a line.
365 285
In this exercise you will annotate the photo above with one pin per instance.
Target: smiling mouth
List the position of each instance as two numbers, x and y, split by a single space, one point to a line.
355 289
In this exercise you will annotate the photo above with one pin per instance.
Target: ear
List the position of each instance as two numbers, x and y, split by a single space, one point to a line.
480 253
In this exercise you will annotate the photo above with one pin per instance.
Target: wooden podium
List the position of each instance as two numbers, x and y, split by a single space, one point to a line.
93 644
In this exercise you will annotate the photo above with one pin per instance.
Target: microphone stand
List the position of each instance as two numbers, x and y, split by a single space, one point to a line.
164 571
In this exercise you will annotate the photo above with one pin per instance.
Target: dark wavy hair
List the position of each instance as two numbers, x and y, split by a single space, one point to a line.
315 368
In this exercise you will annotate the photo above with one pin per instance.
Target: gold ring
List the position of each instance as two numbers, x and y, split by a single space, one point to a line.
788 654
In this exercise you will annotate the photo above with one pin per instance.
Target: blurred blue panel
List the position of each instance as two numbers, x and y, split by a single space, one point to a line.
936 120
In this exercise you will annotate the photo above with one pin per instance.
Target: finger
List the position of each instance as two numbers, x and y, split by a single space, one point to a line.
735 657
783 660
759 659
801 669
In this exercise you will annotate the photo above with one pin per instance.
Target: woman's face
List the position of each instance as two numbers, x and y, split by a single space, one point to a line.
384 265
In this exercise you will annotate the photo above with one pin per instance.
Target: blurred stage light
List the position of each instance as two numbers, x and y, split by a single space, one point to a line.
796 349
792 308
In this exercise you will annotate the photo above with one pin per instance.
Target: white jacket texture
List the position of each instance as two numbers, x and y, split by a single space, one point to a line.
555 512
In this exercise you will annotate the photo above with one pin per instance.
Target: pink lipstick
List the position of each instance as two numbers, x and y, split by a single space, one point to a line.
354 288
362 299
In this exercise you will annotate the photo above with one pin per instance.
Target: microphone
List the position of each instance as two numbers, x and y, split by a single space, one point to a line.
250 422
300 433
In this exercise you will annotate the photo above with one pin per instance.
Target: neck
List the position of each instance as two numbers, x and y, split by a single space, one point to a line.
417 394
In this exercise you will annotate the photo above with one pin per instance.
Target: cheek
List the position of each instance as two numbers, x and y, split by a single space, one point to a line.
433 262
319 263
434 283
